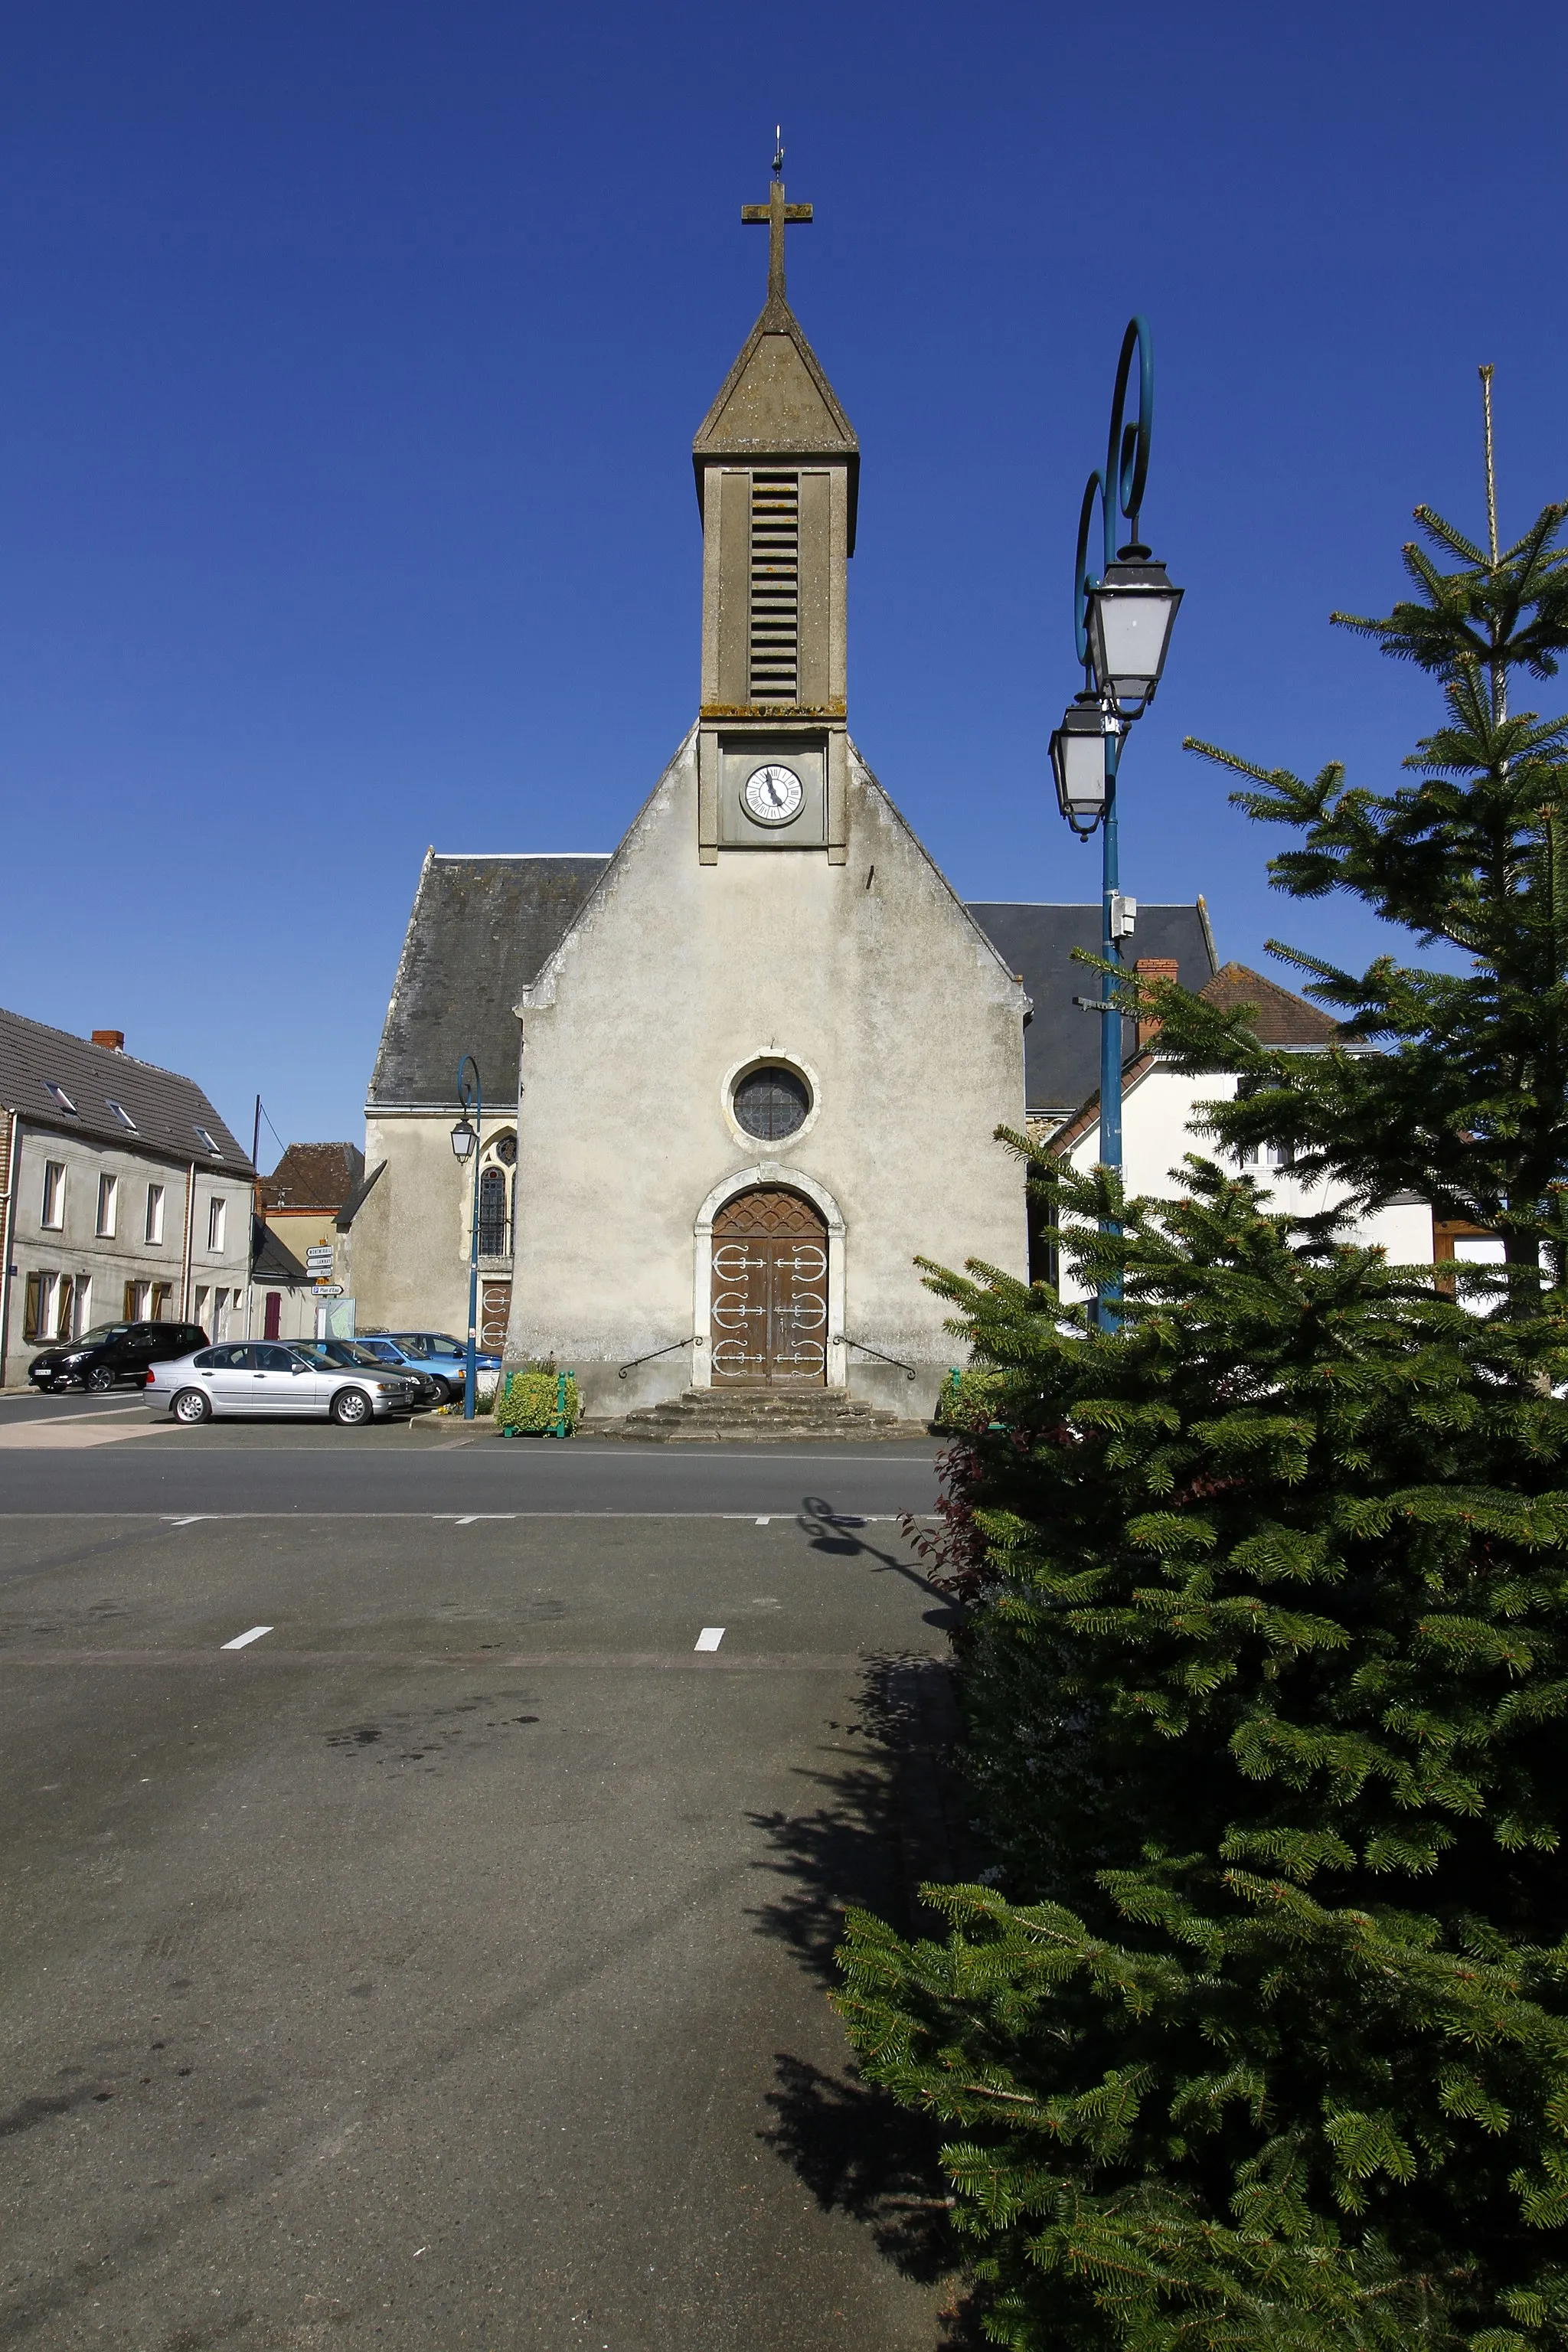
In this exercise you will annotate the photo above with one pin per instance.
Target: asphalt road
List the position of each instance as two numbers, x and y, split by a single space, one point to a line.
446 1967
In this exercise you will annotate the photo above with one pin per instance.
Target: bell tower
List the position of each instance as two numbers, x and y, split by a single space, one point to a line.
778 471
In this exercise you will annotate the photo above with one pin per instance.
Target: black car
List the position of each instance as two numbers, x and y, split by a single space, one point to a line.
112 1352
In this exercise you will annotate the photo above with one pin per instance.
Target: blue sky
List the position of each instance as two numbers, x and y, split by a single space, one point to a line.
354 353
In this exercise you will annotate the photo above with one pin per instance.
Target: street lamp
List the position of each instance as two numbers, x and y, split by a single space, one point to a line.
1124 607
465 1140
1077 762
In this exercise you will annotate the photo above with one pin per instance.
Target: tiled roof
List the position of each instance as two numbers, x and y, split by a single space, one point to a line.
164 1112
313 1176
1061 1043
480 929
1280 1018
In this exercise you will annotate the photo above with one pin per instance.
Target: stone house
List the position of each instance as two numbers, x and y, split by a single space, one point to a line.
123 1196
297 1208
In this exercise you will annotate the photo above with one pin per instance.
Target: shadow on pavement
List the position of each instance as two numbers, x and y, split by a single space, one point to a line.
884 1814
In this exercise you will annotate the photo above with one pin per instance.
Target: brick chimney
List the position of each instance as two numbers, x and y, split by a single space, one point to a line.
113 1038
1153 968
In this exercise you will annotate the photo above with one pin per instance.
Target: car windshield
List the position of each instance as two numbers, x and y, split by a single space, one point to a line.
380 1352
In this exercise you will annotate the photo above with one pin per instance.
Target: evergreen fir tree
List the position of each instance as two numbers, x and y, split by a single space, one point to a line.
1257 2032
1468 1101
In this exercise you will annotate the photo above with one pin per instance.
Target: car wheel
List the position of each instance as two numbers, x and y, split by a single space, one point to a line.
191 1406
443 1390
350 1407
99 1379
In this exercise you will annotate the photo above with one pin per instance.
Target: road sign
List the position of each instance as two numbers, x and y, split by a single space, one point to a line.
329 1289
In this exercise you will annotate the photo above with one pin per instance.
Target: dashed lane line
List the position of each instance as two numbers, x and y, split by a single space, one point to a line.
709 1637
244 1641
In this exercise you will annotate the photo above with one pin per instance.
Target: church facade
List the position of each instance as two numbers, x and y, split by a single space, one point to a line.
741 1073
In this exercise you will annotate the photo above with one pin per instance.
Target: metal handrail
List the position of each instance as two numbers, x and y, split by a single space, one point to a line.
898 1362
694 1341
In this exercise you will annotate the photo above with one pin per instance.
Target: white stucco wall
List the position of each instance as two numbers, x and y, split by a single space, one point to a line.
871 978
1159 1128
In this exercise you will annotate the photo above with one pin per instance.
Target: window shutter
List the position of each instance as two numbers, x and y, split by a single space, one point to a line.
776 588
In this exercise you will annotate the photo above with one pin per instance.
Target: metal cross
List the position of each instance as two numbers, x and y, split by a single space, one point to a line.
774 214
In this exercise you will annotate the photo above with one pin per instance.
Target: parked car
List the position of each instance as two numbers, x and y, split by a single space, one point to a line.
255 1376
444 1358
375 1355
112 1352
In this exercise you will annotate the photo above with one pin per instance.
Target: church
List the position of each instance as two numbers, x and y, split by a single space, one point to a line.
740 1073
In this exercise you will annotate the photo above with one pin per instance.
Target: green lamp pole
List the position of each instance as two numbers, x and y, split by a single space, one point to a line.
466 1146
1123 609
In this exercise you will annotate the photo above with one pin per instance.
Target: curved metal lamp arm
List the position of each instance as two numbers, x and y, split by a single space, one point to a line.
1126 468
1127 451
471 1095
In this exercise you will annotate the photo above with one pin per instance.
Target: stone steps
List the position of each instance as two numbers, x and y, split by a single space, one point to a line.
749 1416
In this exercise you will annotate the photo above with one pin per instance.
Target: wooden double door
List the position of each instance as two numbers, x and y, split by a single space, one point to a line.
770 1292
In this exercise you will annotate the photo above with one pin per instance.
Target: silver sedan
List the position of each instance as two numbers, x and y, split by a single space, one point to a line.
262 1376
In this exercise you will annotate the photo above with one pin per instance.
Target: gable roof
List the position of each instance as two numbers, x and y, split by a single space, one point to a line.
480 929
313 1176
165 1110
1279 1017
776 402
1061 1043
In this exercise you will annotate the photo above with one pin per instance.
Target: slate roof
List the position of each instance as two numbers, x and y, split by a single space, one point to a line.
313 1176
1061 1043
480 929
167 1110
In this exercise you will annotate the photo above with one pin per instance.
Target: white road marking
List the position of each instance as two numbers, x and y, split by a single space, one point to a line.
709 1637
766 1522
472 1519
243 1641
194 1520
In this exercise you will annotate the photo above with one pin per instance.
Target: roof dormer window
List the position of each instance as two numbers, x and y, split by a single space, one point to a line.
122 1114
207 1143
61 1097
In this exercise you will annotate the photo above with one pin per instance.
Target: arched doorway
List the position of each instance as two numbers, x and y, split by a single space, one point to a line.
770 1291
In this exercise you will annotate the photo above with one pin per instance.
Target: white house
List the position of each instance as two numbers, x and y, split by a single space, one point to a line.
1161 1123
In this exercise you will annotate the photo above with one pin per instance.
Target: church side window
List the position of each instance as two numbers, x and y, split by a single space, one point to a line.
776 588
492 1213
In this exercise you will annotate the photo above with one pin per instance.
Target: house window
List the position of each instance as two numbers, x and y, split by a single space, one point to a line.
215 1223
205 1139
222 1301
122 1114
54 1215
82 1320
138 1298
492 1213
62 1098
203 1295
40 1306
163 1302
155 1212
108 1206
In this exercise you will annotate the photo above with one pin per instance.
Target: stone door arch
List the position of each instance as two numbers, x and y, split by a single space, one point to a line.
769 1314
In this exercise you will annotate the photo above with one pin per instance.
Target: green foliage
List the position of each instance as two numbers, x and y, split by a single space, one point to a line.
531 1401
969 1399
1260 2036
1468 1101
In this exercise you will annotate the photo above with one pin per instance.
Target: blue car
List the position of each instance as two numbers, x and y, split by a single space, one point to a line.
444 1358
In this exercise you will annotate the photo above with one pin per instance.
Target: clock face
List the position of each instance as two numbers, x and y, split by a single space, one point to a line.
774 795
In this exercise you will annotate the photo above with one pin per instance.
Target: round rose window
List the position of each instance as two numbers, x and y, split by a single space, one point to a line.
772 1102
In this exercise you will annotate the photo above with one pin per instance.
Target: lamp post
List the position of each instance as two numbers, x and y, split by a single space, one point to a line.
1123 609
466 1146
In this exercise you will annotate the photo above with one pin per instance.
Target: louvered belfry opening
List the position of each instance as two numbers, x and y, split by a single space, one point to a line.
776 588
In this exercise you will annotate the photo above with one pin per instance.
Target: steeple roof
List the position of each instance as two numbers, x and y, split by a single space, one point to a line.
776 401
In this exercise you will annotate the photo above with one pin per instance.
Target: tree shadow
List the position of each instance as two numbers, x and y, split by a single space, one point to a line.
884 1812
